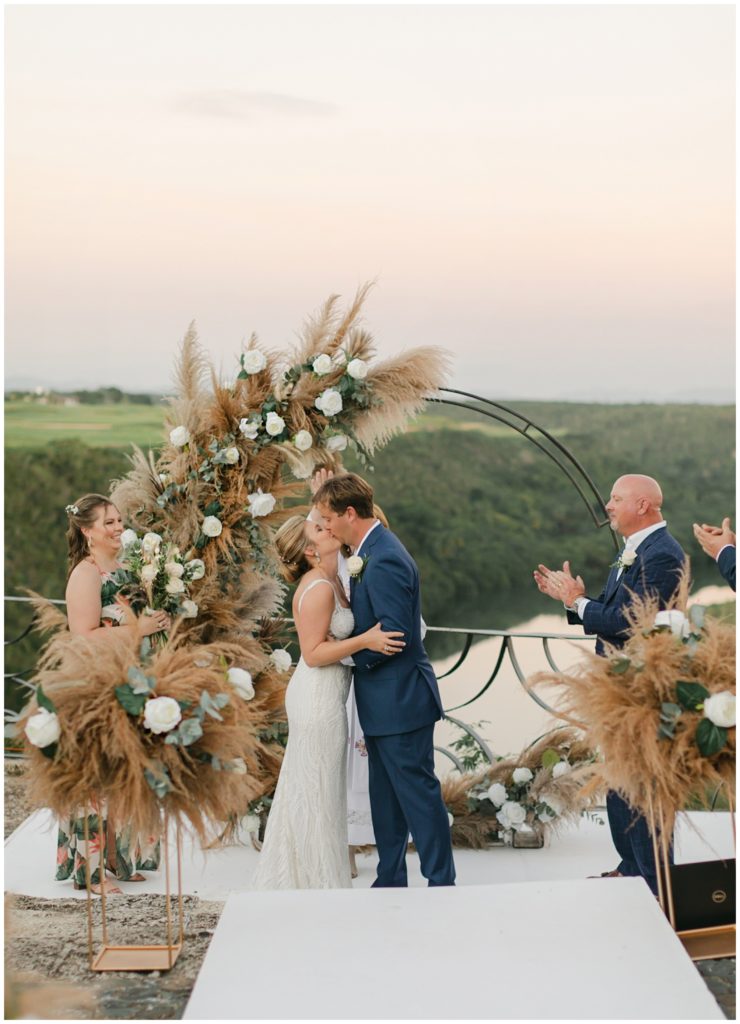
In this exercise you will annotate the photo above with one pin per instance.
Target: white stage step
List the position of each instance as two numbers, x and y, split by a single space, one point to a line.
579 950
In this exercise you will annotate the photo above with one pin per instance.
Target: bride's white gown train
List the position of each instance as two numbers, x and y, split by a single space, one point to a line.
305 843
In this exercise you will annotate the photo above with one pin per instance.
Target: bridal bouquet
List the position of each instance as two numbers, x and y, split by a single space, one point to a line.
156 575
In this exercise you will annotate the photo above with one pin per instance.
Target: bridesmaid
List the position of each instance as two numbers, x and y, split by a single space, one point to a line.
93 608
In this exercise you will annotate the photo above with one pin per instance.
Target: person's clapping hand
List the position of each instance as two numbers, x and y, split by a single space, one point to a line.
713 538
560 584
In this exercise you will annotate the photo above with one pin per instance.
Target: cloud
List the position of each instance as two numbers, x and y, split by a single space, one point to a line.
238 105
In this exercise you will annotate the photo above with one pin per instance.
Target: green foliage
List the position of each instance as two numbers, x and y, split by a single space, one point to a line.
469 750
710 738
690 695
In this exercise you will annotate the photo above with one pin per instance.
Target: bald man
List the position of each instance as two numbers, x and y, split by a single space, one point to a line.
650 564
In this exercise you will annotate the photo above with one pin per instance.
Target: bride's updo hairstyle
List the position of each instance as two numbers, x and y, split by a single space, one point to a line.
291 543
83 512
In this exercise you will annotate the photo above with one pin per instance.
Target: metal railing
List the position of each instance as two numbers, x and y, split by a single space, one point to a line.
507 650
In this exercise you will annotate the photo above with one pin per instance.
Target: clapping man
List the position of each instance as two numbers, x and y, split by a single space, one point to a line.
719 543
650 565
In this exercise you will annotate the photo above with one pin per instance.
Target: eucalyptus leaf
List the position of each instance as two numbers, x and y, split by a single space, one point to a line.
158 780
697 615
691 695
618 666
139 682
172 738
710 738
131 702
145 649
190 730
42 700
215 763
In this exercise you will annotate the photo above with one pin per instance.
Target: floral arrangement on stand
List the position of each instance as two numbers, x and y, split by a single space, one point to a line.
518 800
661 710
195 724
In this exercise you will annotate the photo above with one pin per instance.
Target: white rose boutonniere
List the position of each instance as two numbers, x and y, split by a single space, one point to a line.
356 566
625 560
274 424
161 714
322 365
329 402
180 436
260 504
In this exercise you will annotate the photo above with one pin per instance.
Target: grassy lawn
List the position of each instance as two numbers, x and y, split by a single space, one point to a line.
30 425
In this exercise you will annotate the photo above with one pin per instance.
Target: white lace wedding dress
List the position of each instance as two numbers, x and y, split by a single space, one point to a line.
305 843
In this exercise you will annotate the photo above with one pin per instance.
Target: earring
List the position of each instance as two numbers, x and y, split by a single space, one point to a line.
318 558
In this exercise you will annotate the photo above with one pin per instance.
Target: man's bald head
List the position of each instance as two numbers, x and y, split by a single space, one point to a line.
635 503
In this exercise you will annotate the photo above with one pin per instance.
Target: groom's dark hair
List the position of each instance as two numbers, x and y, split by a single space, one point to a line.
345 491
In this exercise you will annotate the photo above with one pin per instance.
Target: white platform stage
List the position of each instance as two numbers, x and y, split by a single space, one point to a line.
579 950
30 856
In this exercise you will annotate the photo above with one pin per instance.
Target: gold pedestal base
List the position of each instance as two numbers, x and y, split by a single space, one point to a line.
136 958
709 943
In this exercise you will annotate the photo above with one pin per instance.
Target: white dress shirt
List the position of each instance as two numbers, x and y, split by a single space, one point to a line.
356 550
632 543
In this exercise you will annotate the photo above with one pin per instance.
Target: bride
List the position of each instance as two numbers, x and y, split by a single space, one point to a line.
305 843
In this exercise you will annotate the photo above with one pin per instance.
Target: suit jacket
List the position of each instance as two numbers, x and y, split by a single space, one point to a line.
726 563
655 571
396 693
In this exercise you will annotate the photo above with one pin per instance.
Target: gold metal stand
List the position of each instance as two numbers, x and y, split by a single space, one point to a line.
135 958
700 943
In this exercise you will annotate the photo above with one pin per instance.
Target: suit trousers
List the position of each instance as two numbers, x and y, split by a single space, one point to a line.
405 797
631 836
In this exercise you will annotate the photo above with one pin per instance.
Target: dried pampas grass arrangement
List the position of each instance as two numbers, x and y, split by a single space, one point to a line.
549 796
235 450
643 707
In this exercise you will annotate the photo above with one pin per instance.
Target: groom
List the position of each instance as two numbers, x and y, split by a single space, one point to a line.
398 700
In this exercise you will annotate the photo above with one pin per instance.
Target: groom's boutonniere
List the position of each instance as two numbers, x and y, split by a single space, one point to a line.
625 560
356 566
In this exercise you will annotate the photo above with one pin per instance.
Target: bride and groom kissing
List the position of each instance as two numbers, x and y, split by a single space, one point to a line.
397 697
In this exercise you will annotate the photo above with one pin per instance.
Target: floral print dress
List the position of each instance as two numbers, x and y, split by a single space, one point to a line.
132 853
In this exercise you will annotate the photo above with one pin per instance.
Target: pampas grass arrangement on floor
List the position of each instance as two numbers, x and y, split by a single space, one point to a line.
235 450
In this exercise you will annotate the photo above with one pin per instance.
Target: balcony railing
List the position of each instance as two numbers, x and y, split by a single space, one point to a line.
508 650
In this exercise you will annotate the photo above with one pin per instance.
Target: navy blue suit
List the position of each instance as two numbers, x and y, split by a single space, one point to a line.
398 703
726 563
655 571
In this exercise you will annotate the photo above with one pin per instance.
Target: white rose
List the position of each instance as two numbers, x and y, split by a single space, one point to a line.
150 543
628 557
197 568
357 369
231 456
675 620
189 610
254 360
212 526
720 709
354 565
241 680
174 569
322 365
174 585
450 819
238 765
128 537
513 812
260 504
561 768
249 428
274 424
161 714
303 440
522 775
149 573
497 794
281 659
42 729
329 402
503 819
336 443
250 823
340 357
179 436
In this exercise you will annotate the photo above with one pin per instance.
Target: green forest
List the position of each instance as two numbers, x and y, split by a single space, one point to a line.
477 504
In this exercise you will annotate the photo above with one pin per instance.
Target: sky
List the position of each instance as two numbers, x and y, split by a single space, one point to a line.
547 191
